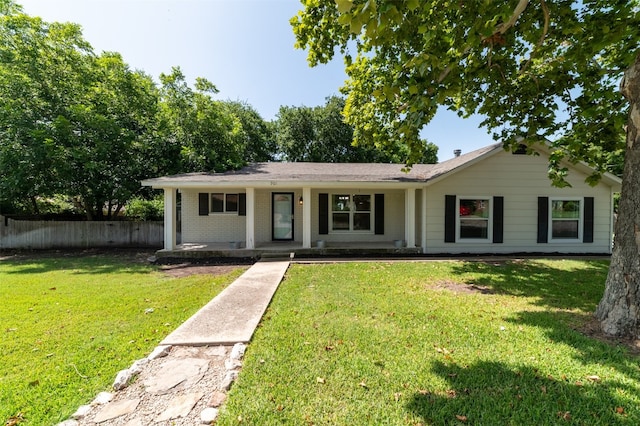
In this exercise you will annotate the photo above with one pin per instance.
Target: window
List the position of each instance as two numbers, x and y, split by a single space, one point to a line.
474 218
224 203
566 216
351 212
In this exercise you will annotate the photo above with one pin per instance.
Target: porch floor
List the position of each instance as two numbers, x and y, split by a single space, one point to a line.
204 250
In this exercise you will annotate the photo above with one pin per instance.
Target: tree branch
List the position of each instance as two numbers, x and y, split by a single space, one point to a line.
502 28
545 30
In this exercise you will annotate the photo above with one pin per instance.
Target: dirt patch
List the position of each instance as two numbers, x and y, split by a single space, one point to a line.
592 329
175 267
457 287
180 270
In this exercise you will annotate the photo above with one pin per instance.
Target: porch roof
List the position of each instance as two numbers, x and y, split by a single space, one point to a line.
310 174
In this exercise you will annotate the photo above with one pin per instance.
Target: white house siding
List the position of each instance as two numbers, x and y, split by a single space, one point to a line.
393 213
520 179
214 228
222 228
262 216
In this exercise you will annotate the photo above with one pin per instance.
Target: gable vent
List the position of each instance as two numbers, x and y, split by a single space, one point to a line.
521 150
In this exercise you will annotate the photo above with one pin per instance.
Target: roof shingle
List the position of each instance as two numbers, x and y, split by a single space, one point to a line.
325 172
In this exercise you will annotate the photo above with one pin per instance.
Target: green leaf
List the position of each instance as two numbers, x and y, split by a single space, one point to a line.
413 4
344 6
355 26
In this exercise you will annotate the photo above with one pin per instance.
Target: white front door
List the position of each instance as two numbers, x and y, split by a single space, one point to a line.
282 216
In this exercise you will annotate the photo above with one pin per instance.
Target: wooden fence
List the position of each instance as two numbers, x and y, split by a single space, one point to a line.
30 234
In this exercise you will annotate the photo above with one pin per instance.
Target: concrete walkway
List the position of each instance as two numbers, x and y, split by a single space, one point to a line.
233 315
184 380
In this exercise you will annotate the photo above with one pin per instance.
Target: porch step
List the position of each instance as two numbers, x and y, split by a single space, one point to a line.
277 255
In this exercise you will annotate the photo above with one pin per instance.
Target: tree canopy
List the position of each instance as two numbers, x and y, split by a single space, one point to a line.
536 70
320 134
88 128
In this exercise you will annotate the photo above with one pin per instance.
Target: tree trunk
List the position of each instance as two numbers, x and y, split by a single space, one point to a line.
34 205
619 309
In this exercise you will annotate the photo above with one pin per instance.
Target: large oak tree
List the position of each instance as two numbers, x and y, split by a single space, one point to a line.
536 69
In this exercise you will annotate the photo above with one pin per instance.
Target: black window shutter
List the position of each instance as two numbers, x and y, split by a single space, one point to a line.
323 214
449 218
587 233
498 219
379 212
203 203
543 219
242 204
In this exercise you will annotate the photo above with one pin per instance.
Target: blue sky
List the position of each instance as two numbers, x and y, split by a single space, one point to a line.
244 47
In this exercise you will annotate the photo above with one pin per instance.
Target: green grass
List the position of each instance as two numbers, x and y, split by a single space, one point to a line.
387 344
68 324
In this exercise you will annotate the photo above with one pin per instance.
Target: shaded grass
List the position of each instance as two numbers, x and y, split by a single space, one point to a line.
389 343
69 324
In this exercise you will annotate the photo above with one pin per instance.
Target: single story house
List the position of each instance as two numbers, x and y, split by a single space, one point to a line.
486 201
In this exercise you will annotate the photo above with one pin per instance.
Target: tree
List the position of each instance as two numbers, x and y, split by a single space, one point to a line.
72 123
537 70
202 128
40 67
103 136
253 134
321 134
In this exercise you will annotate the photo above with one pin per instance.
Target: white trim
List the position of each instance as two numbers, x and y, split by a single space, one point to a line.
306 217
489 219
250 227
224 203
410 217
550 238
351 213
170 219
423 217
288 184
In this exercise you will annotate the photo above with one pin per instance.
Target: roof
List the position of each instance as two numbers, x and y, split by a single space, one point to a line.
262 174
300 174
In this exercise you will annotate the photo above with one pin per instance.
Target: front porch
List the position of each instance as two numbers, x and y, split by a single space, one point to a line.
212 250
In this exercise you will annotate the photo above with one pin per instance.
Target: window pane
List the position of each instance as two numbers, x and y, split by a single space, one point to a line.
232 202
361 221
340 203
362 203
340 221
477 208
564 229
217 203
474 228
565 209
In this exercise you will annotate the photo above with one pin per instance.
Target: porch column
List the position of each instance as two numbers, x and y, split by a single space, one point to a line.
170 218
410 217
306 217
423 221
250 226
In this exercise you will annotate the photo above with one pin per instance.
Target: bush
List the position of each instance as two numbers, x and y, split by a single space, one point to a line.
56 207
145 210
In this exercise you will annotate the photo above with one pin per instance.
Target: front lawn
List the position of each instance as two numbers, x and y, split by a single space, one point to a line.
70 323
435 343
